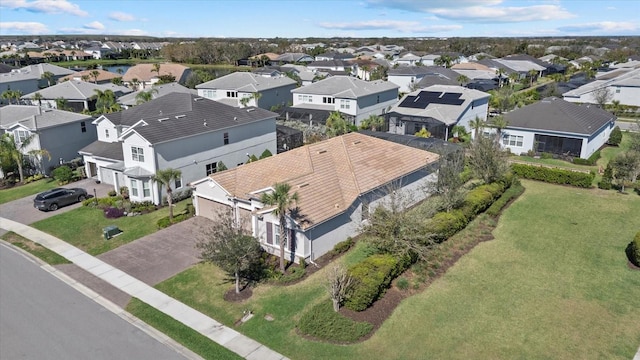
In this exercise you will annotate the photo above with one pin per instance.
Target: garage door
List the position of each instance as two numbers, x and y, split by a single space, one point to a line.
210 209
106 176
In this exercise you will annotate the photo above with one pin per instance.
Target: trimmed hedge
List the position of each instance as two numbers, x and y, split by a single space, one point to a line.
590 161
372 277
633 250
511 193
553 175
323 323
164 222
342 246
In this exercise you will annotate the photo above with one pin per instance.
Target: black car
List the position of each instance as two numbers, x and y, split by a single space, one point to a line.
59 197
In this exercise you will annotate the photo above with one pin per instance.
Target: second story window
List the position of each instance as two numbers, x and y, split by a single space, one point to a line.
232 94
344 104
83 126
20 136
226 138
106 133
137 154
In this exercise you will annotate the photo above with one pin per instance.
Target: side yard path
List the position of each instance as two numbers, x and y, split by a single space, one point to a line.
229 338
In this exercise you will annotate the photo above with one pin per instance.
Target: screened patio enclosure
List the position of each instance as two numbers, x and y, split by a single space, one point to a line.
558 145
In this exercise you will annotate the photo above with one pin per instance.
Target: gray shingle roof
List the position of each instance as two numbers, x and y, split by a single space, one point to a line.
553 114
107 150
77 90
35 118
246 82
345 87
181 115
156 92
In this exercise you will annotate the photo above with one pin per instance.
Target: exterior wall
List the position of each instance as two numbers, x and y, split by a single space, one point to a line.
278 96
597 140
479 108
627 95
136 140
64 142
375 104
104 125
527 141
405 81
589 145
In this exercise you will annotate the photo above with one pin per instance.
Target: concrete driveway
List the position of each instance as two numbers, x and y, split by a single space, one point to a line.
22 210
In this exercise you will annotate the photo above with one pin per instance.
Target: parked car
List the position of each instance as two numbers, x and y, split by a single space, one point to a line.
58 197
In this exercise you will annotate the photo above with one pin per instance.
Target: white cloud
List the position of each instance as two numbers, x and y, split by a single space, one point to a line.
120 16
44 6
132 32
402 26
95 25
30 28
426 6
607 27
504 14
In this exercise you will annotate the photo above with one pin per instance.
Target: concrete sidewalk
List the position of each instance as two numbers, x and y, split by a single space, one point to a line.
229 338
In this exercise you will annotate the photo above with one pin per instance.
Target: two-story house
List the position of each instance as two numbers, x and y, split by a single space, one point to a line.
181 131
354 98
241 89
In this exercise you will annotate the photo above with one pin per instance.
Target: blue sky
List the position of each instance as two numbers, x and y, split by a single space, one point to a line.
328 18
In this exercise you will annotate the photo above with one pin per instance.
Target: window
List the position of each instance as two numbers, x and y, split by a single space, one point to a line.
617 90
276 231
146 190
328 100
177 184
269 233
226 138
378 99
137 154
232 94
134 187
106 133
20 136
83 126
365 211
211 168
513 140
345 104
210 94
305 98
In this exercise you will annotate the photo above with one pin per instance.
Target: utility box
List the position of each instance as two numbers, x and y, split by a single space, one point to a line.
111 231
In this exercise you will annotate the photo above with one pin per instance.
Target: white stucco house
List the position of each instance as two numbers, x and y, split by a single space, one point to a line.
437 108
181 131
338 181
354 98
622 85
558 127
263 92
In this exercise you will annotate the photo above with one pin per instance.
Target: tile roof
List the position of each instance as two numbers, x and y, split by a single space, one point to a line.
144 72
180 115
34 118
103 149
329 175
77 90
554 114
246 82
345 87
103 76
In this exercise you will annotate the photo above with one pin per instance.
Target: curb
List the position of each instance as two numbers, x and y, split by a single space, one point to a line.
120 312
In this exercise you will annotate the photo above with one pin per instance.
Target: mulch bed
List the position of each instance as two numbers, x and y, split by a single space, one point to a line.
633 266
244 294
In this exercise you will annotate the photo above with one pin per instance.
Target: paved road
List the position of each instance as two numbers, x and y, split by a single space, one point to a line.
43 318
625 125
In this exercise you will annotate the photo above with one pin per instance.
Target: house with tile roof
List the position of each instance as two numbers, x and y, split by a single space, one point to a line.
61 133
80 95
259 91
103 76
437 109
339 182
142 76
354 98
182 131
558 127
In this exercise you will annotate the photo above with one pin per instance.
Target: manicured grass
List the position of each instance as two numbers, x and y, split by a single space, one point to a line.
554 163
553 284
36 249
82 227
32 188
179 332
608 153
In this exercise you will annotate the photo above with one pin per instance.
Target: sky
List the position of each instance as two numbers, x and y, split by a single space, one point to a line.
326 18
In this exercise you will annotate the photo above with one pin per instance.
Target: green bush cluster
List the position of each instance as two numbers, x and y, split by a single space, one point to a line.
342 246
615 138
33 178
323 323
554 176
142 206
295 273
372 278
63 174
177 196
165 223
511 193
633 250
607 178
592 160
103 203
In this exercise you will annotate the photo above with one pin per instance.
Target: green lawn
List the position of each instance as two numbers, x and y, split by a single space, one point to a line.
32 188
82 227
553 284
35 249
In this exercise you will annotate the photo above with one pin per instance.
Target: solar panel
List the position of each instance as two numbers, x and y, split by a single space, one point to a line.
424 98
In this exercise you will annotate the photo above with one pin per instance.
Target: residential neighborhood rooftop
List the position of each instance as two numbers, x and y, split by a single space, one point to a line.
33 117
345 87
246 82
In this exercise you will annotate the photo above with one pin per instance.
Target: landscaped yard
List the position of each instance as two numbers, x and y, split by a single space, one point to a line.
553 284
21 191
82 227
36 249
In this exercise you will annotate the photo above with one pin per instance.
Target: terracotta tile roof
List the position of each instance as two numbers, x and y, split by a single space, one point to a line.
144 72
329 175
104 76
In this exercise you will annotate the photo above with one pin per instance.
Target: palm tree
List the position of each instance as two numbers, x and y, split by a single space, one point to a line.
85 77
117 81
144 96
477 125
373 123
513 77
532 75
135 82
38 97
165 178
105 100
500 123
244 101
95 74
256 97
62 103
16 151
48 75
616 107
282 201
156 68
462 79
444 60
7 95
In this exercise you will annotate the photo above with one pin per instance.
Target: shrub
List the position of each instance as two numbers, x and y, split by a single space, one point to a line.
633 250
371 278
443 225
511 193
294 274
33 178
265 154
615 138
342 246
63 174
323 323
592 160
112 193
302 261
142 206
164 222
113 213
545 155
553 175
403 283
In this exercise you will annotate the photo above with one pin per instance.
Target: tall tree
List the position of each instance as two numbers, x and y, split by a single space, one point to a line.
499 123
156 68
49 76
62 104
602 96
339 283
373 122
105 101
227 245
165 178
532 74
476 125
336 124
486 159
626 168
281 199
95 74
462 79
144 96
15 151
449 183
38 97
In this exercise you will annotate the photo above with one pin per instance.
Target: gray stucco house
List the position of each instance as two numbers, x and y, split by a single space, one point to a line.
339 182
61 133
180 131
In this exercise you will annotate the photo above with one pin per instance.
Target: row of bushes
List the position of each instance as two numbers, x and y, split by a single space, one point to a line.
553 175
177 196
592 160
323 323
511 193
633 250
187 213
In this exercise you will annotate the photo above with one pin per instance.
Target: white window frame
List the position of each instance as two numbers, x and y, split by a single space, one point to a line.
513 140
276 235
345 104
177 183
146 188
134 187
137 154
20 136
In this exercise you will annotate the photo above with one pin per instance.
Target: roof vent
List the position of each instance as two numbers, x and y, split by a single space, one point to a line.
356 142
163 119
205 122
322 151
251 109
180 116
303 185
235 118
